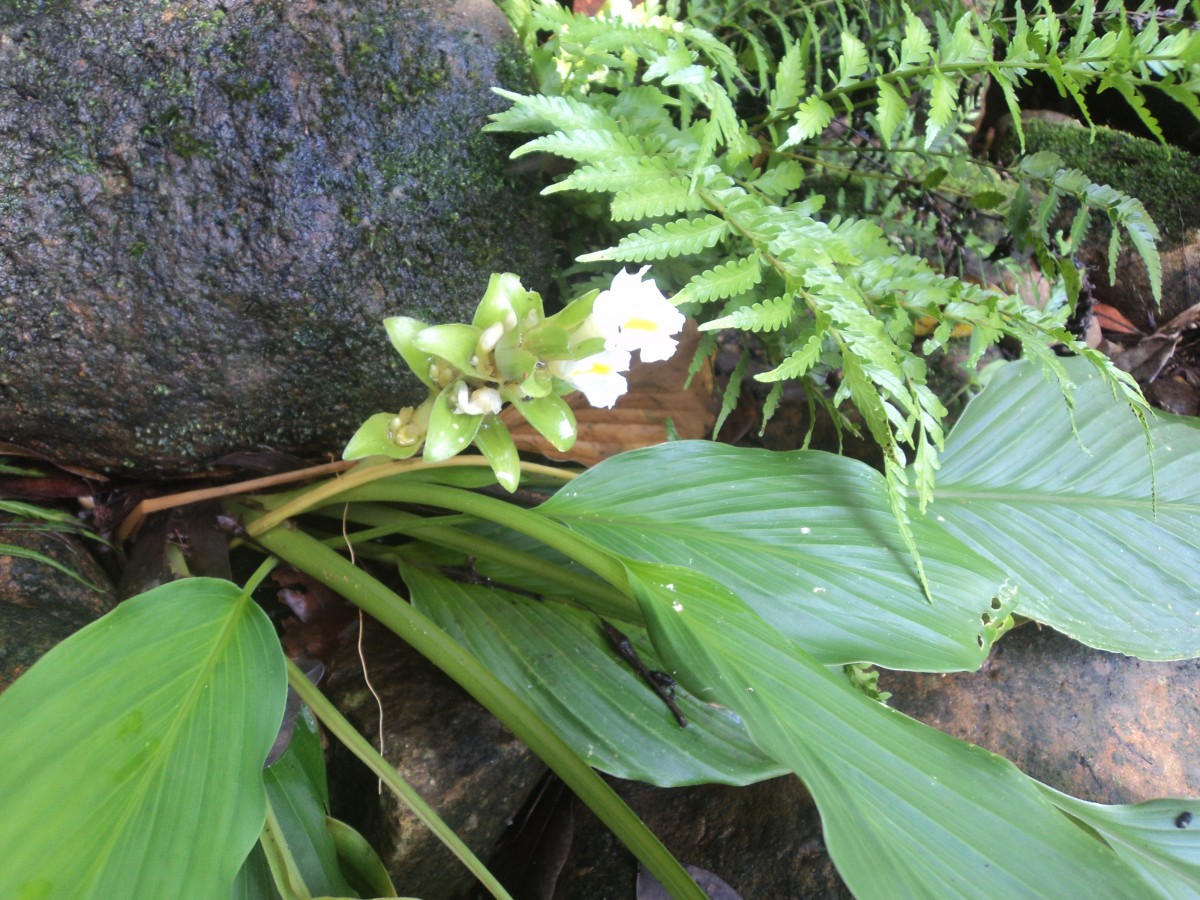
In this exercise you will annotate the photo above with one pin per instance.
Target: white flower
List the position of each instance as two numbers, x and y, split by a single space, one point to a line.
598 376
634 315
479 402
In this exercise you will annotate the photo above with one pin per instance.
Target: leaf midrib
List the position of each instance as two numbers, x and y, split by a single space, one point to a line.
1016 496
733 538
183 711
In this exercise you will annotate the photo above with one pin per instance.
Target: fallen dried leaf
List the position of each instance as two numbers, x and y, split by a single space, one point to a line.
1113 320
640 417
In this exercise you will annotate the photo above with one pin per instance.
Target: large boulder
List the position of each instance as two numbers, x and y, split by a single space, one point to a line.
206 208
1101 726
473 772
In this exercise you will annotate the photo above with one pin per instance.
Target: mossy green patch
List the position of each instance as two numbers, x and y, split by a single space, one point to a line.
1165 179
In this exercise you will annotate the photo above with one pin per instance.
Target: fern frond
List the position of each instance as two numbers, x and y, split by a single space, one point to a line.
541 113
780 180
733 390
662 197
677 238
812 117
585 145
800 361
729 279
618 175
790 82
767 315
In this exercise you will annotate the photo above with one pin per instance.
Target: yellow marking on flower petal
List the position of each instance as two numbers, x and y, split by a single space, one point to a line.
642 325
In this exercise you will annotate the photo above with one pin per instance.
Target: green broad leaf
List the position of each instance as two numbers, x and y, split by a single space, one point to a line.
681 237
907 811
133 751
254 880
496 444
812 117
359 861
402 331
450 432
1158 838
807 539
296 788
550 416
564 666
455 343
372 439
1101 538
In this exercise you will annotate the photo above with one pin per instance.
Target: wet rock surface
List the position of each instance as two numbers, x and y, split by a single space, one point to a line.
40 605
465 764
207 208
1101 726
763 841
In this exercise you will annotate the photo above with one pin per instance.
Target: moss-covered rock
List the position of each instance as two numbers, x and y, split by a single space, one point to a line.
207 208
1165 179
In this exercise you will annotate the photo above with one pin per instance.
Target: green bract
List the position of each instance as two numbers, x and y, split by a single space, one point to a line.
506 301
511 353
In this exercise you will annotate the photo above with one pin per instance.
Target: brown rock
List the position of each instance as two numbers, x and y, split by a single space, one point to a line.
207 208
764 841
1100 726
466 765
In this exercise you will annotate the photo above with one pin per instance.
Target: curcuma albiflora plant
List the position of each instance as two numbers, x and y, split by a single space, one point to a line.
762 582
513 353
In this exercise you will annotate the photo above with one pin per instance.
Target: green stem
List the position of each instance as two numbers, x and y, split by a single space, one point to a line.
361 747
524 521
602 599
265 568
375 470
374 598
